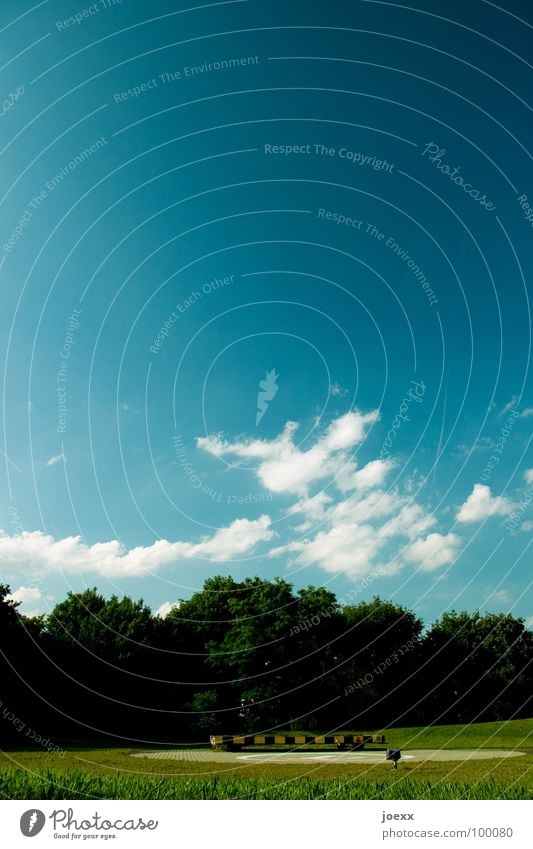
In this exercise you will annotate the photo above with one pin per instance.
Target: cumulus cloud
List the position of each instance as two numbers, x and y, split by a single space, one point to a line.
352 523
357 531
45 555
314 509
433 551
346 547
164 609
283 468
31 600
525 414
481 503
371 475
528 476
349 517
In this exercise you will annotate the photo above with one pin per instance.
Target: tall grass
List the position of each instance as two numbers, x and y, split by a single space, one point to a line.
19 784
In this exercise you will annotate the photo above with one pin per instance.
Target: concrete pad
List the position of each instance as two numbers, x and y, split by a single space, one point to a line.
364 757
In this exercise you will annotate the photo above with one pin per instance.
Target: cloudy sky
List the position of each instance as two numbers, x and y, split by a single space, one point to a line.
265 300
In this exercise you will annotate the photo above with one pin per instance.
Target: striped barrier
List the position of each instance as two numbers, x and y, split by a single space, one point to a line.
234 743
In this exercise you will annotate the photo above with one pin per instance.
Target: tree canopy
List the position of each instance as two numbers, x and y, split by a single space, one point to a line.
251 656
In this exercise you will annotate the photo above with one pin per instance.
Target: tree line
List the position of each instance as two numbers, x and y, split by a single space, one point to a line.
248 657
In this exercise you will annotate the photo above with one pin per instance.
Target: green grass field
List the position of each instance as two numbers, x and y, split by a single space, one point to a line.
111 773
80 785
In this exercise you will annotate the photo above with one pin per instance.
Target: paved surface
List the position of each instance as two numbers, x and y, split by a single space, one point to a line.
366 757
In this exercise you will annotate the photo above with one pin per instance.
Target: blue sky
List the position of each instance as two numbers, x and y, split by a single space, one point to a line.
320 208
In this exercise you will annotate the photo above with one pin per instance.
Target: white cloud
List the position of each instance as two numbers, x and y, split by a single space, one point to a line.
484 443
314 509
58 458
369 507
526 413
409 522
337 391
240 537
357 532
348 547
164 609
353 525
529 623
527 526
284 468
503 596
528 476
25 594
509 406
370 476
348 430
31 599
352 522
481 503
44 554
433 551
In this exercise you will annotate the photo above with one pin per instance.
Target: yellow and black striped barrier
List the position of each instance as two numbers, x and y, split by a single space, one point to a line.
341 741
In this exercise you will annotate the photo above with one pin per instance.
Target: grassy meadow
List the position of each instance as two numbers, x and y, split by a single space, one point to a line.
111 773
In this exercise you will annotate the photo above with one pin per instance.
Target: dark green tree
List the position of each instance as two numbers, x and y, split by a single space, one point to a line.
477 667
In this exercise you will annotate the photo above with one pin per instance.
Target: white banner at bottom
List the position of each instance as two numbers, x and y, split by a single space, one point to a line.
262 824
